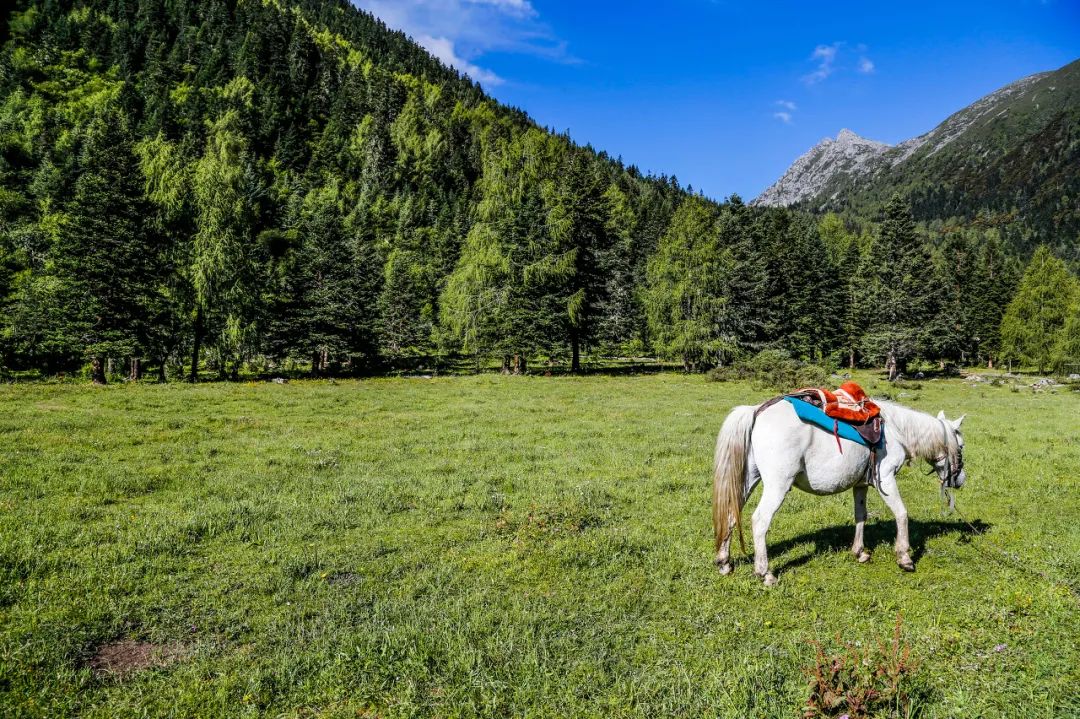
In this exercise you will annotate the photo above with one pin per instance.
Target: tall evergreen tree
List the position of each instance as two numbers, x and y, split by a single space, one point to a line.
994 283
686 301
104 270
221 269
899 299
1065 355
1036 316
572 267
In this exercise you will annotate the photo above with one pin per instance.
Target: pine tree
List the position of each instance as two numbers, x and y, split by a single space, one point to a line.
951 332
685 298
1036 316
1065 355
221 269
619 310
102 266
750 317
576 222
898 302
994 283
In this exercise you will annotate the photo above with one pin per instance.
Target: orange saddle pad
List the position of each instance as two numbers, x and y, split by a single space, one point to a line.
848 403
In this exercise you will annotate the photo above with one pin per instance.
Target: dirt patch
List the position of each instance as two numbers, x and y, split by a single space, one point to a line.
120 659
344 579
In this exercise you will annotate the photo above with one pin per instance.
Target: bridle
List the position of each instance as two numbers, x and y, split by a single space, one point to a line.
952 468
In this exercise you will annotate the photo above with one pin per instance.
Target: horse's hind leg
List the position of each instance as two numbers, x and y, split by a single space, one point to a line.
857 547
723 555
772 496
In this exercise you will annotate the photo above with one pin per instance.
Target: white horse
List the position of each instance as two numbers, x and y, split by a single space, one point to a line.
779 450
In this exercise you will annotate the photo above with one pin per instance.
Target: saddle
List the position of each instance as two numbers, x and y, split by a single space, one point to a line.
847 413
848 403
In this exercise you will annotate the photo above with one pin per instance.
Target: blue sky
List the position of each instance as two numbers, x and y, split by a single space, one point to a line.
725 95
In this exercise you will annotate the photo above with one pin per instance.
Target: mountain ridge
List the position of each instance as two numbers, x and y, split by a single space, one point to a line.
1009 153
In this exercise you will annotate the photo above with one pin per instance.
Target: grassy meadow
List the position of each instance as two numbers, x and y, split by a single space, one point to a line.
501 546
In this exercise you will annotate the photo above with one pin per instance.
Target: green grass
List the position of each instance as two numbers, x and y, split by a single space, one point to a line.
501 546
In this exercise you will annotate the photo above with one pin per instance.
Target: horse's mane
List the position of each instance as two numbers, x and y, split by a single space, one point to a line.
919 432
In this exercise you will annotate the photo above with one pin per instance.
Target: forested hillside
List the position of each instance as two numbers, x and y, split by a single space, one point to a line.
192 188
1008 161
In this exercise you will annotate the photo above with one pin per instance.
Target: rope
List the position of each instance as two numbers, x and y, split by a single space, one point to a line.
1009 557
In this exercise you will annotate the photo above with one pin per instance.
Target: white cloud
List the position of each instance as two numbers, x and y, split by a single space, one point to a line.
461 32
837 56
521 7
784 117
786 104
443 48
825 56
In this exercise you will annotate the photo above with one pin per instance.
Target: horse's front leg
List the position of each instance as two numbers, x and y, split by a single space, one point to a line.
857 547
891 495
772 496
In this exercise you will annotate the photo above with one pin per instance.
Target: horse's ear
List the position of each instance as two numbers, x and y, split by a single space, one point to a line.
941 414
957 422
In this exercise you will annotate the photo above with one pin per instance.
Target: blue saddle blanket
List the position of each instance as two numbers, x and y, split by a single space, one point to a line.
809 413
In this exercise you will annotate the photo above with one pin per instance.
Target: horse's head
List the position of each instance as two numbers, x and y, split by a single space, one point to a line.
950 465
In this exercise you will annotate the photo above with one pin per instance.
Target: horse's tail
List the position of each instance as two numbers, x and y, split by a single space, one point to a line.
729 473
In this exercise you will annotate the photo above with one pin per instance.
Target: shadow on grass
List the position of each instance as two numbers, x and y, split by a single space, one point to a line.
878 537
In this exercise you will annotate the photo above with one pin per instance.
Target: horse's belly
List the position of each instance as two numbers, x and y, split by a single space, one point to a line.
834 473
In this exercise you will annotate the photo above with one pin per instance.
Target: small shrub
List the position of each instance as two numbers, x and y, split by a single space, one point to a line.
774 369
873 682
721 374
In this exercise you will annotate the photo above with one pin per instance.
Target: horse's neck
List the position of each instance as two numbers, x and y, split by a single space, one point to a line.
919 433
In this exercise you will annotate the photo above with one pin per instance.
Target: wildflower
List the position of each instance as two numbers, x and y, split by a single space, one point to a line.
1000 648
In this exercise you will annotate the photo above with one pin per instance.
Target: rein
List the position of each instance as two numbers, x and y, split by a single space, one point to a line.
952 471
1004 556
949 482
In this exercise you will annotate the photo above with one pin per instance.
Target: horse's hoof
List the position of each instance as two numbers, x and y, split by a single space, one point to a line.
862 557
725 568
906 564
768 579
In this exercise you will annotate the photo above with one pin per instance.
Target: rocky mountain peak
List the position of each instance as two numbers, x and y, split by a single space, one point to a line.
809 175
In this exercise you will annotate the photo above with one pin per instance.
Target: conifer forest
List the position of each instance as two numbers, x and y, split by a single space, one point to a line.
204 189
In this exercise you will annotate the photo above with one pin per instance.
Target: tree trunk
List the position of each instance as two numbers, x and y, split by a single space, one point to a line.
196 349
851 358
97 370
575 352
316 358
136 370
506 364
990 363
890 366
519 364
162 377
